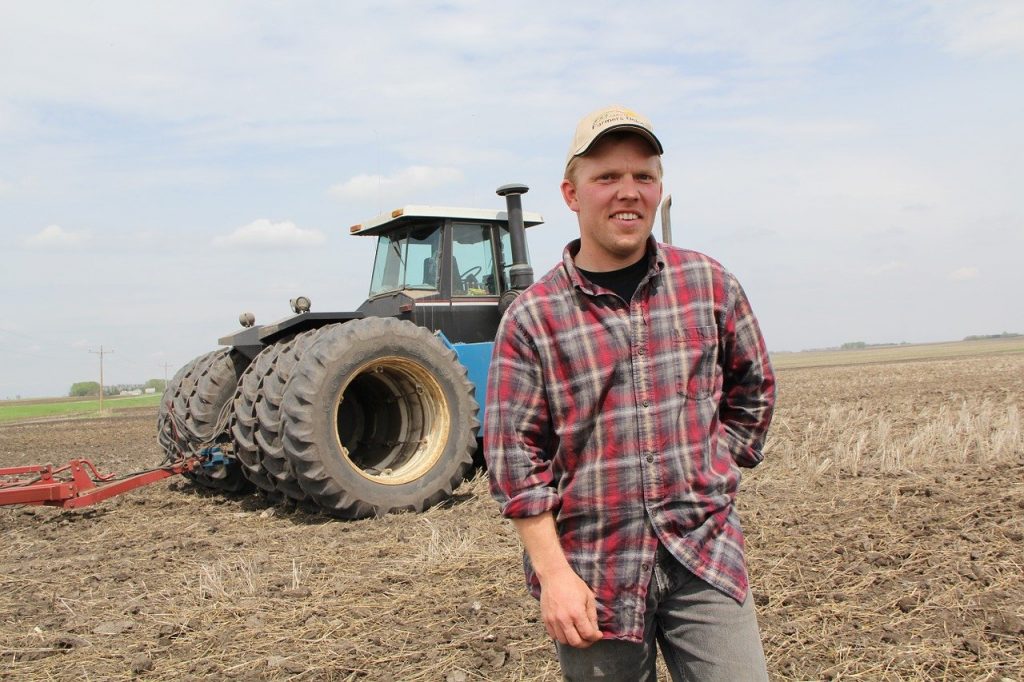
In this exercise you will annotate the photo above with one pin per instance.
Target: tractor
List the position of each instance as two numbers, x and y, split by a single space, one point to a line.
367 412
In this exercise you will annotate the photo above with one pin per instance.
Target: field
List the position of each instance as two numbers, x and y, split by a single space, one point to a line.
900 353
21 410
885 542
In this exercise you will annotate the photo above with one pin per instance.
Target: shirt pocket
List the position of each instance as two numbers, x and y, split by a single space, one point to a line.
696 350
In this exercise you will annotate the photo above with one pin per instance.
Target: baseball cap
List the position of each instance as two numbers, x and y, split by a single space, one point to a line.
603 121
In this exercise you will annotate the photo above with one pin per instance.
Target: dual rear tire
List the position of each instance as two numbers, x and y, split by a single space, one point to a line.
363 418
379 417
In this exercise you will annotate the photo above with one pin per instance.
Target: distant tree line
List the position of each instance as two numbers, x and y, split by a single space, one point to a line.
858 345
85 389
979 337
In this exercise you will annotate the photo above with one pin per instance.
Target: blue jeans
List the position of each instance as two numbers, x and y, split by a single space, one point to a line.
702 633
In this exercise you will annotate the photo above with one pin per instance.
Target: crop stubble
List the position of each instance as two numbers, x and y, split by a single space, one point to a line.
884 537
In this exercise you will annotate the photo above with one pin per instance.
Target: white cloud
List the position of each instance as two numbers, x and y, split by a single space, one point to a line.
404 183
436 74
264 234
964 274
790 127
56 237
973 27
891 266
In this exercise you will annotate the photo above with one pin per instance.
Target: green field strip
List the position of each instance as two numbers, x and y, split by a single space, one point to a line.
12 411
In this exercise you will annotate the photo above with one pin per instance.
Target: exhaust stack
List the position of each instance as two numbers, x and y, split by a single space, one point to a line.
520 274
666 220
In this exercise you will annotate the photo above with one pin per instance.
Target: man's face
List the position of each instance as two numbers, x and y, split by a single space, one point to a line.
615 191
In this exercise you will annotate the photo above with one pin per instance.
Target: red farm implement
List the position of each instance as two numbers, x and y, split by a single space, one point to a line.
78 483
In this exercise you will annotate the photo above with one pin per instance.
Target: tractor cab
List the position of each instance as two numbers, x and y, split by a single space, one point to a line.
443 268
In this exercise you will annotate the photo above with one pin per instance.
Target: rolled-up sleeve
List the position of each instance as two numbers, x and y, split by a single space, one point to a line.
748 381
517 432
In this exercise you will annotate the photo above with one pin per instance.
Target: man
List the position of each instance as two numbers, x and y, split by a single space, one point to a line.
627 386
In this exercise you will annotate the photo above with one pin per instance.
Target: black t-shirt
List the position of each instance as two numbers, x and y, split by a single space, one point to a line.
623 281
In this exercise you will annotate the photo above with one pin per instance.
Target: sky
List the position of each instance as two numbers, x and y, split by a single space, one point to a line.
165 166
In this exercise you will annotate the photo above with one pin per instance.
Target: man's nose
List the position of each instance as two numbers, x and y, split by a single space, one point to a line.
628 188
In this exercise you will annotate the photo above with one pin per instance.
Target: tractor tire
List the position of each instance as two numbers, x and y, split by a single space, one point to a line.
379 417
209 404
208 414
194 415
244 422
171 430
268 435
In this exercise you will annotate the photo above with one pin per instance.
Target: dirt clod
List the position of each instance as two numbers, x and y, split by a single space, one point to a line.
141 663
497 659
112 627
70 642
907 604
1004 623
285 664
973 645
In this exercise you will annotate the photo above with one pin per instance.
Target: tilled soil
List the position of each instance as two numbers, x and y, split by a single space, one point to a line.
916 575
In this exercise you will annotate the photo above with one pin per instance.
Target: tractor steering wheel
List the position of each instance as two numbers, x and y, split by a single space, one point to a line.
467 279
472 272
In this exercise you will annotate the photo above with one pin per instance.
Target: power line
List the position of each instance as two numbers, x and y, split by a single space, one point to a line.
31 355
4 330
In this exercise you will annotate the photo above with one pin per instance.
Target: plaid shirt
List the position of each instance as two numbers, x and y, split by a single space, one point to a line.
629 422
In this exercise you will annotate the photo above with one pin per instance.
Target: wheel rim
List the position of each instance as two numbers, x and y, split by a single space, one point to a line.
392 421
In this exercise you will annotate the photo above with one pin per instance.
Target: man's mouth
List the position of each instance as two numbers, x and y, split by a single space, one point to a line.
626 216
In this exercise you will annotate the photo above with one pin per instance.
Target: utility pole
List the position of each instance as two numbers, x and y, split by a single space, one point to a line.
101 353
166 366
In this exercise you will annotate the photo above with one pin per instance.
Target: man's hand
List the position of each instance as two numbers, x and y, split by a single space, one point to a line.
567 604
569 609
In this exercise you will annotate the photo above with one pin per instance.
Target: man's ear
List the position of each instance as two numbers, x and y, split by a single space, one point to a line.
569 194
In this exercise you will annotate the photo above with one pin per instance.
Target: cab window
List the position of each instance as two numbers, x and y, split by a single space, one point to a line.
407 260
473 263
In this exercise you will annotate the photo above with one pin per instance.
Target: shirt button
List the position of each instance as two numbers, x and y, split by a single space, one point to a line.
645 567
641 351
650 458
646 404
